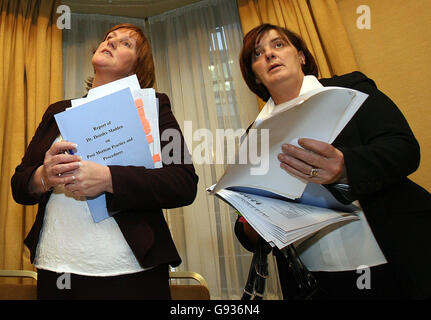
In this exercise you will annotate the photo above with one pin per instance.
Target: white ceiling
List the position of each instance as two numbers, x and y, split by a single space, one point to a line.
126 8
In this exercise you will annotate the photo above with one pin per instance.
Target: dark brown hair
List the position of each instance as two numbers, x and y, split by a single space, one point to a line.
144 66
248 48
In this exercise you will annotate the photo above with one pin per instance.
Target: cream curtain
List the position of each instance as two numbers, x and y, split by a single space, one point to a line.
318 22
30 79
196 51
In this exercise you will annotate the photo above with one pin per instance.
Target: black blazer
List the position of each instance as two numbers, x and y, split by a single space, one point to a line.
139 193
380 151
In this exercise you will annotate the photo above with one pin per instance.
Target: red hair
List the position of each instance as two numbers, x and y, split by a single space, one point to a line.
144 66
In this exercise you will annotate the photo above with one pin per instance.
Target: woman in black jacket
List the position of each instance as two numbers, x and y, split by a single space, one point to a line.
372 156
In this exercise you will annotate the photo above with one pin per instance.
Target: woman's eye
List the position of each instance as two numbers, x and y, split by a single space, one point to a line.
127 44
257 53
279 44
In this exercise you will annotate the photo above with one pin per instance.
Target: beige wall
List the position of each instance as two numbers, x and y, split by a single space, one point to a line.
396 53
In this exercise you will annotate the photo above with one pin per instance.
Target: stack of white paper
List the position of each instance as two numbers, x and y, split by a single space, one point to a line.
320 114
281 222
146 103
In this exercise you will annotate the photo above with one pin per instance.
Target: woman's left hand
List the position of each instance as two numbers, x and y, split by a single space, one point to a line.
316 161
91 179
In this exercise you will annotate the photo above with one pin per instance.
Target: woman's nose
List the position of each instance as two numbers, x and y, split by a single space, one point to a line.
112 43
269 54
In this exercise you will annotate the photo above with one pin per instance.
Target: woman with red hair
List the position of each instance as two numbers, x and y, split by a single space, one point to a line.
126 256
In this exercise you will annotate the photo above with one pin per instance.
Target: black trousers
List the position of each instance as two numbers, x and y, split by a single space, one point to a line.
152 284
382 283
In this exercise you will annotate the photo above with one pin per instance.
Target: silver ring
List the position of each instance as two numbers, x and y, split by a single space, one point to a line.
313 172
59 174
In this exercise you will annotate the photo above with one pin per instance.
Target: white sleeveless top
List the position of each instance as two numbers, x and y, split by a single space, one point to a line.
71 242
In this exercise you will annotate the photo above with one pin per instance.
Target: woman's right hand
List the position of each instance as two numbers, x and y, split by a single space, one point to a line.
58 167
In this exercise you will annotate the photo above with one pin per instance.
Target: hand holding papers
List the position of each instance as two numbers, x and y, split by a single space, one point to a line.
105 129
109 130
284 209
320 114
